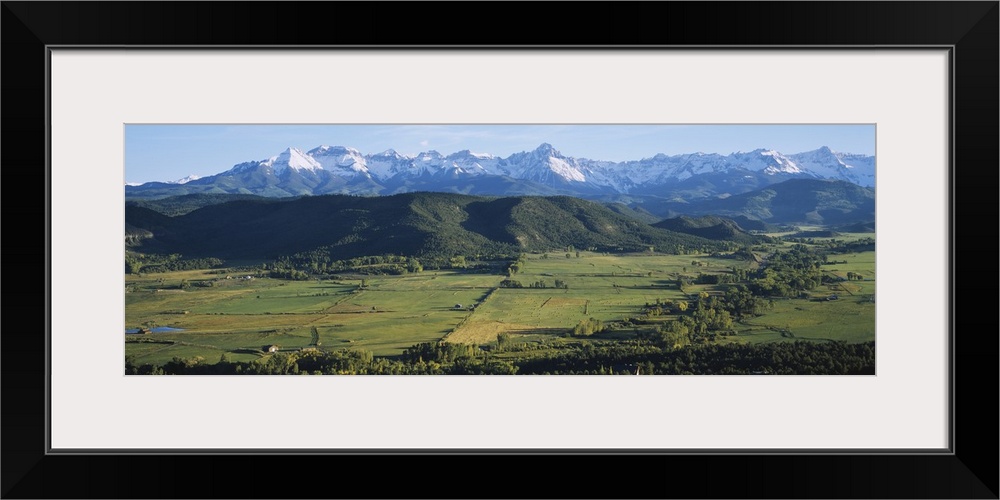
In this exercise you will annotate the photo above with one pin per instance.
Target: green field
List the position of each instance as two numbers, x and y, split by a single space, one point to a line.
241 316
606 287
388 315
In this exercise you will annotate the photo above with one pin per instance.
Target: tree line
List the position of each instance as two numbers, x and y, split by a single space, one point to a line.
136 263
589 358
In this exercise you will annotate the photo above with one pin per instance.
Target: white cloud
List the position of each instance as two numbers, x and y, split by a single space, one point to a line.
424 142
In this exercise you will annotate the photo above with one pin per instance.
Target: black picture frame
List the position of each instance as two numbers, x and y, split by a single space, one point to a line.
970 29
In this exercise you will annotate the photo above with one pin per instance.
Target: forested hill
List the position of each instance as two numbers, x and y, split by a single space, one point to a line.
405 224
795 201
182 204
711 227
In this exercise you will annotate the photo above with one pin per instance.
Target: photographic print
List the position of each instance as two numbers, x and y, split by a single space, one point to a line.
101 88
500 249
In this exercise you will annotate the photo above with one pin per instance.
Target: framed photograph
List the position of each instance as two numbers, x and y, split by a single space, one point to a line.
503 255
109 116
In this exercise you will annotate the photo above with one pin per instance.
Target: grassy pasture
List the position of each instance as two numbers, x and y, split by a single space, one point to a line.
391 313
795 319
606 287
862 263
240 316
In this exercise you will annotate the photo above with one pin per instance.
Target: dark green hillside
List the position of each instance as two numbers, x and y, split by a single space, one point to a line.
637 212
267 229
711 227
469 184
563 220
180 205
143 225
135 235
748 224
406 224
860 227
143 220
797 200
543 223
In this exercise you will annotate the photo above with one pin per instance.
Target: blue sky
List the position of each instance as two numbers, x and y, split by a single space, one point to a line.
171 152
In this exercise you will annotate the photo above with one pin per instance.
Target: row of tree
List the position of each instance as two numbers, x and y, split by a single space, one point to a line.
136 263
423 359
590 358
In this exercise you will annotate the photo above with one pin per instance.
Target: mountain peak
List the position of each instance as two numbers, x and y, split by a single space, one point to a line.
293 158
821 151
334 150
545 148
543 169
185 180
465 153
430 154
341 159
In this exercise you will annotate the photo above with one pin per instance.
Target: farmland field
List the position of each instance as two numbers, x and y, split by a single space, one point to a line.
239 315
355 258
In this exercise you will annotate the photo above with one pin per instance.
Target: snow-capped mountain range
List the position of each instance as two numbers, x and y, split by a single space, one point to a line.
340 169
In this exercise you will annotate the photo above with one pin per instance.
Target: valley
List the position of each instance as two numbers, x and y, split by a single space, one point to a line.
241 314
334 261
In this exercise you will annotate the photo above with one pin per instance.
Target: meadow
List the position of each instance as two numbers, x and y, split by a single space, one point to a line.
238 317
242 316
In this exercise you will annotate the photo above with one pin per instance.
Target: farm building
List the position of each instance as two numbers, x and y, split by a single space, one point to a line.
271 348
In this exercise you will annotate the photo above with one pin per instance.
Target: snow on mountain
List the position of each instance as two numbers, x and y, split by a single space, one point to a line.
780 163
827 164
340 160
425 163
291 158
387 164
768 161
563 169
547 166
470 163
661 169
186 180
863 167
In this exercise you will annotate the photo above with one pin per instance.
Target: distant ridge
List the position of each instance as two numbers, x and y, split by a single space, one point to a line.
810 201
412 224
709 226
542 171
182 204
